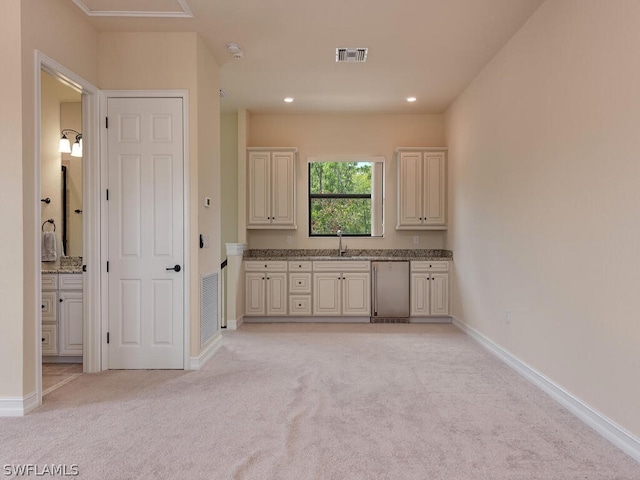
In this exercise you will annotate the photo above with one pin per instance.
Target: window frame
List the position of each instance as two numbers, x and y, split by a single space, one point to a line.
376 195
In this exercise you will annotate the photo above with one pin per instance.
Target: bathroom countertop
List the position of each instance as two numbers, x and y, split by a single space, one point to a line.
355 254
66 265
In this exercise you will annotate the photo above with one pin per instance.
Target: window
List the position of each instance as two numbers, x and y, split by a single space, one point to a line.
345 195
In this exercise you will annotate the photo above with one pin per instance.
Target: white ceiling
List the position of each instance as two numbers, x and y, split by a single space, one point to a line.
430 49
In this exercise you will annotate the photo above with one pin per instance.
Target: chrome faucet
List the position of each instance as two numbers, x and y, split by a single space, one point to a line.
341 252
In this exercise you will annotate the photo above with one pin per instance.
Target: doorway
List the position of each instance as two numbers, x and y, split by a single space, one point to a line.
67 308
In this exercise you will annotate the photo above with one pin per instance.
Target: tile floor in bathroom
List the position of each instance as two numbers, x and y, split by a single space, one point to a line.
54 375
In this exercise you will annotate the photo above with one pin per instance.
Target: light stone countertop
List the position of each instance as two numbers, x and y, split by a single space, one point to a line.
351 254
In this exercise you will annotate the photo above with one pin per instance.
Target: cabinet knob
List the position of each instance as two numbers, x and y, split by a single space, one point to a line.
42 306
43 339
268 278
60 300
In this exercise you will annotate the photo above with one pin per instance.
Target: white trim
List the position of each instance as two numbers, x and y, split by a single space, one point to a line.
196 363
19 406
186 11
184 95
91 227
235 248
235 324
606 427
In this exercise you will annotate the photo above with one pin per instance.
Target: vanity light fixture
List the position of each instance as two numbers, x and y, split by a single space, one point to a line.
411 99
65 144
288 99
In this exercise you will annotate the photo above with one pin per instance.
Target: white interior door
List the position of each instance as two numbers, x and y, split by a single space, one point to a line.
146 225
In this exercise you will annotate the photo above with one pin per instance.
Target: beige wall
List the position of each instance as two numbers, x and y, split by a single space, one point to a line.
53 110
60 30
209 218
157 61
71 117
229 178
331 134
11 263
544 173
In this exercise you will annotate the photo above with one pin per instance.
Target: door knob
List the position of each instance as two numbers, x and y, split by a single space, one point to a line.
175 268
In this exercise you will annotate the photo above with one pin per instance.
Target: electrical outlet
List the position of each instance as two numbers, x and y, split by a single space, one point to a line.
416 239
289 239
207 202
507 318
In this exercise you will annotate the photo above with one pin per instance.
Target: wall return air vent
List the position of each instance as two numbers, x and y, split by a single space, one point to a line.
351 55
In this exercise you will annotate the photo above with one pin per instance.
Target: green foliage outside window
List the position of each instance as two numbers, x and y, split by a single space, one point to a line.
340 198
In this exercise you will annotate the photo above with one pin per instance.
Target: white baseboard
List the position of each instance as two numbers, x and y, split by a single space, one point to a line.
196 363
18 406
613 432
235 324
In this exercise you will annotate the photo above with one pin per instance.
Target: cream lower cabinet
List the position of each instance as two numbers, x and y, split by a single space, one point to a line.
429 289
265 288
339 292
62 314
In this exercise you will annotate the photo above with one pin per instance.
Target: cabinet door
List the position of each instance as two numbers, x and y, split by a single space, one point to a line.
254 293
356 294
420 295
71 323
259 188
49 307
276 293
410 189
283 188
327 294
439 294
433 209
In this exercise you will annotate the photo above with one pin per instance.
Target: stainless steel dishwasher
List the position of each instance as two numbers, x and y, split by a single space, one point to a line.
390 290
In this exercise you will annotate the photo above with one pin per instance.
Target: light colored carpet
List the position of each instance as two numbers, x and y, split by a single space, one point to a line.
309 401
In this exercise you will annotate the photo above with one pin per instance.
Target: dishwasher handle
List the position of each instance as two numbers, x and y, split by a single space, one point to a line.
375 290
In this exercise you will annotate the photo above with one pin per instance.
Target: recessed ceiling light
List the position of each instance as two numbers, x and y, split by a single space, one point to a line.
288 99
411 99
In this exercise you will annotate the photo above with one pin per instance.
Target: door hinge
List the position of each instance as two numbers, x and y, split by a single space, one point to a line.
106 122
107 194
107 266
107 337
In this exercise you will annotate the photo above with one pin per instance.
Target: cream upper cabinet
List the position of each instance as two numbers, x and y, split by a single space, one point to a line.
421 189
271 188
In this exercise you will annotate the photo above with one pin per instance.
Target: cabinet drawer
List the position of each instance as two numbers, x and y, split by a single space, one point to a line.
49 307
300 305
49 281
271 266
299 283
435 266
342 266
49 340
70 281
303 266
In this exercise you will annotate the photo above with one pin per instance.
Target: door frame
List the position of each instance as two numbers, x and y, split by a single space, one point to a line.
91 218
105 95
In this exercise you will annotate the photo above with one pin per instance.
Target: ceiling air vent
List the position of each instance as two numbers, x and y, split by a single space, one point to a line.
351 55
223 94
